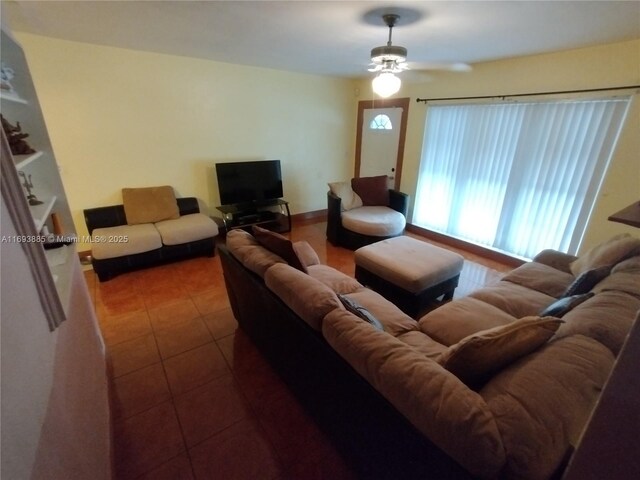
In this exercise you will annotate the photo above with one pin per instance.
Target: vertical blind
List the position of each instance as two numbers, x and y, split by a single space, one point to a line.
518 177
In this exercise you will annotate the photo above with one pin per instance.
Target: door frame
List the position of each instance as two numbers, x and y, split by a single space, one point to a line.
383 103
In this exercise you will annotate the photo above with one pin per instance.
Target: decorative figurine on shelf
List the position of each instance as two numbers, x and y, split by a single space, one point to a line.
28 185
6 74
15 137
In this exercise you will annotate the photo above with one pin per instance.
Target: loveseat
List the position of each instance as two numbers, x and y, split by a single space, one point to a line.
487 386
151 227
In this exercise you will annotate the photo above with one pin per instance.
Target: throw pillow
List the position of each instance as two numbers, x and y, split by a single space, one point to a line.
476 357
359 311
564 305
349 198
611 252
279 245
374 191
587 280
149 205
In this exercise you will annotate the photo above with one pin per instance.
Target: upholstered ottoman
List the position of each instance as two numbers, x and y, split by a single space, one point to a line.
408 272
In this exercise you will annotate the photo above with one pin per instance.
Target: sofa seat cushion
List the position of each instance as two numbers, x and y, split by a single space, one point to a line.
306 296
187 228
447 412
606 317
374 221
394 320
516 300
250 253
543 401
541 278
456 320
334 279
422 343
113 242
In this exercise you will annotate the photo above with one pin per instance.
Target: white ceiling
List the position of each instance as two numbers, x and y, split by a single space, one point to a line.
330 37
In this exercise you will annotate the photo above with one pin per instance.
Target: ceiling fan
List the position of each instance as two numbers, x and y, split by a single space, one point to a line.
388 60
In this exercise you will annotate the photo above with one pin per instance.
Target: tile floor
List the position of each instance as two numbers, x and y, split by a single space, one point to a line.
192 398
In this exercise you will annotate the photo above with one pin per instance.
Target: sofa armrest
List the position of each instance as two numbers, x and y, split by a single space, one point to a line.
399 202
555 259
104 217
334 221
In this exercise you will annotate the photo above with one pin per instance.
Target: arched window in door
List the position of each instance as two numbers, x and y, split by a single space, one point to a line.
381 122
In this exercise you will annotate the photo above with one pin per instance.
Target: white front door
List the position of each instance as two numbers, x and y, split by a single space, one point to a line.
380 137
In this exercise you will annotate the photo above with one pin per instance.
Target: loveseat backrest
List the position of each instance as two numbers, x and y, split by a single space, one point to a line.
113 215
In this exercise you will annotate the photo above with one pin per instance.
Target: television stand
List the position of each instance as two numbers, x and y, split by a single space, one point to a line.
270 214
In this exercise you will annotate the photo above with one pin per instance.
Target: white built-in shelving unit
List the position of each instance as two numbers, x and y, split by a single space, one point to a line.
19 104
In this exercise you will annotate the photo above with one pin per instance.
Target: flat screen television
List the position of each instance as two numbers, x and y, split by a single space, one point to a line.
249 182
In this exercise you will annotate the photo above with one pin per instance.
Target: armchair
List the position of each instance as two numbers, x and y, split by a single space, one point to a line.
380 214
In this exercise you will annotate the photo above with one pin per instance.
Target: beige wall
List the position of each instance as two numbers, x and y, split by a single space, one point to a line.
127 118
121 118
596 67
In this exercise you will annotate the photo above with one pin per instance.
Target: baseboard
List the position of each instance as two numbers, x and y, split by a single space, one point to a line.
309 217
469 247
84 255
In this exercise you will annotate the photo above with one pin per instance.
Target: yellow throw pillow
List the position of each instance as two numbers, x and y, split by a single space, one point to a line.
476 357
149 205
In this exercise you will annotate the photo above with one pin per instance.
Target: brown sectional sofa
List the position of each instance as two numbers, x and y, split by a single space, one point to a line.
385 395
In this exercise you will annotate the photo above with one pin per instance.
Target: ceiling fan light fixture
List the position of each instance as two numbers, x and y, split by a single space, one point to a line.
386 84
387 53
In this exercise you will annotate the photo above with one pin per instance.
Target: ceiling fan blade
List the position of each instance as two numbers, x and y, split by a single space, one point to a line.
449 67
416 76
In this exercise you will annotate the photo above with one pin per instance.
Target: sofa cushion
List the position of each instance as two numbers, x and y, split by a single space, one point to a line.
516 300
306 296
452 416
306 253
361 312
541 278
279 245
348 198
587 280
625 277
543 401
372 190
374 221
475 358
394 320
187 228
607 317
250 253
422 343
113 242
334 279
610 252
149 205
564 305
456 320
